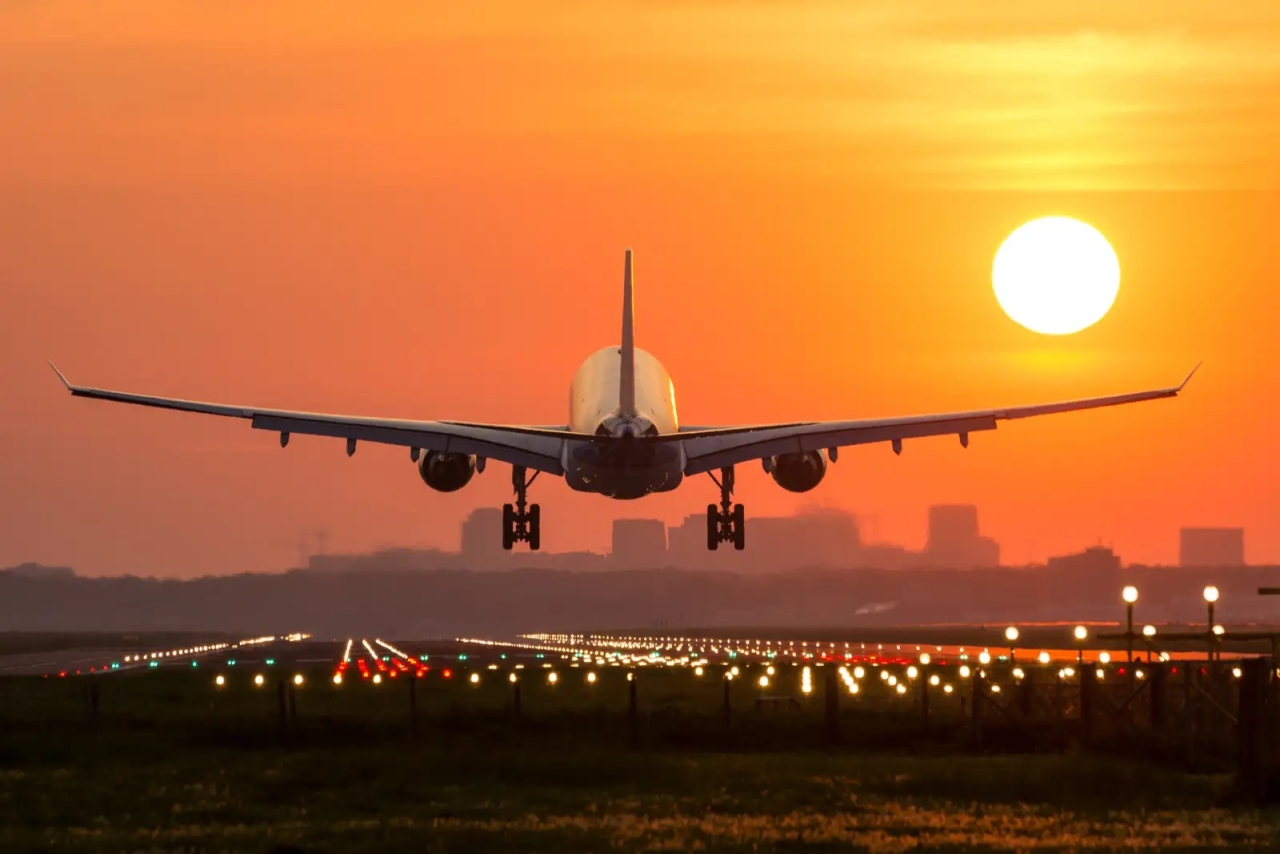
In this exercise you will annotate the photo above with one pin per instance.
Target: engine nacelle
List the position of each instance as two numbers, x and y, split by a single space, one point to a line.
798 472
446 472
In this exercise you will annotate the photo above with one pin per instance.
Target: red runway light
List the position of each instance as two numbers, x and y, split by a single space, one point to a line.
447 673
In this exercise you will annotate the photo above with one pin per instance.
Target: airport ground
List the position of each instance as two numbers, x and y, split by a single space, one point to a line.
164 758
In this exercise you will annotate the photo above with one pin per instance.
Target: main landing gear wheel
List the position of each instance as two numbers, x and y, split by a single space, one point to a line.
726 523
521 522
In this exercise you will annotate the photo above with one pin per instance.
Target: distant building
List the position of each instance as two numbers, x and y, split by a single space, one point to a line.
954 541
639 543
886 556
824 538
482 533
37 570
1211 547
1097 559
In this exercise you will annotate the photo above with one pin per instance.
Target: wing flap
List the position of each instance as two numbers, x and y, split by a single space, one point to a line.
532 447
710 448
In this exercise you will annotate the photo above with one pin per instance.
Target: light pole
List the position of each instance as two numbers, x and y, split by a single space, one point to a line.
1011 635
1081 634
1210 597
1129 595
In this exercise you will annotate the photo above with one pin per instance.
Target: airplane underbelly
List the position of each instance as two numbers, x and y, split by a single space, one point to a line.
621 467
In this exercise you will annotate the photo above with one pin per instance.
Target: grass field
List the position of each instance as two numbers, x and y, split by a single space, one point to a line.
173 764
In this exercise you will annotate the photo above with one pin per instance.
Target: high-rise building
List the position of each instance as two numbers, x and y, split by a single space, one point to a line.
954 540
639 543
1211 547
482 533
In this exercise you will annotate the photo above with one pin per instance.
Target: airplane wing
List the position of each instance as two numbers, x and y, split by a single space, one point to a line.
707 449
537 448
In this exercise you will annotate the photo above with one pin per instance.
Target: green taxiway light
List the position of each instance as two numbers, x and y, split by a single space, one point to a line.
155 664
270 661
195 664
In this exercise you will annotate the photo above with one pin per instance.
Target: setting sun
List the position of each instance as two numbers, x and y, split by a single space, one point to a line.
1056 275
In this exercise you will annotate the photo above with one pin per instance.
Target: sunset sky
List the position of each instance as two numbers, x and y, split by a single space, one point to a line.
420 211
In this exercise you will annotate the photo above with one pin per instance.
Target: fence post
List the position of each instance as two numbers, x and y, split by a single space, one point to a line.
633 712
1027 694
831 696
1159 694
978 684
282 710
413 705
1088 699
1250 728
924 696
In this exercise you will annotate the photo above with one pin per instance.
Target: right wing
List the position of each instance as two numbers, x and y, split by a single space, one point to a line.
707 449
537 448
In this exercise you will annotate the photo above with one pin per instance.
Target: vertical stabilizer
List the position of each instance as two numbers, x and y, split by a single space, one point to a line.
627 370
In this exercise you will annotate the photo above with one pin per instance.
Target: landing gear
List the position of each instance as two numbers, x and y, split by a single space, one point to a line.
725 523
521 523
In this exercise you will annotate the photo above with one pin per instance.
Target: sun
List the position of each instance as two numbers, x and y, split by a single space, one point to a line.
1056 275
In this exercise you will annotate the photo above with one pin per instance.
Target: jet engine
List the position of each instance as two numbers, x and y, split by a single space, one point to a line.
446 472
798 472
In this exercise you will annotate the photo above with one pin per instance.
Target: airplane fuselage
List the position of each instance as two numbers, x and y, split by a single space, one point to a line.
614 466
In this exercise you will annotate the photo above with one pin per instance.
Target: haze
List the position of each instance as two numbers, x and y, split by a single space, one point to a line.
421 211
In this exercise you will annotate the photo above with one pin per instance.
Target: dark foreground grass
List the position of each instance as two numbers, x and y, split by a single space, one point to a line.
466 798
171 765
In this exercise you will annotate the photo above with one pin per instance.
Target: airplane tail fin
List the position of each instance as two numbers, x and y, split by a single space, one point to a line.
627 370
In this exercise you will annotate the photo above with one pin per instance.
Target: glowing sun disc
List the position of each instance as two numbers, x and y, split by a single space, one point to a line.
1056 275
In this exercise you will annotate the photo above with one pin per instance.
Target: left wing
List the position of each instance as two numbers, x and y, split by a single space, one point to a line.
537 448
707 449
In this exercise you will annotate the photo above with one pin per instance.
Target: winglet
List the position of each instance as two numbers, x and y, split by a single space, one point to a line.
1183 384
60 376
627 370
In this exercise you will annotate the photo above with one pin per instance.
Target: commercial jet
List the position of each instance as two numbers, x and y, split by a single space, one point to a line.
623 439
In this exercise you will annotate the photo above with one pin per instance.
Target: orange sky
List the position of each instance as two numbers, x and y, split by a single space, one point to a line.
422 214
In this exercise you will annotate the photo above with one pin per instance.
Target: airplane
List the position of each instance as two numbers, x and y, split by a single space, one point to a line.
623 439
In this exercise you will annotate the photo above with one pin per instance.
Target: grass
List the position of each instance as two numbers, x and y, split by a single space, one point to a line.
171 764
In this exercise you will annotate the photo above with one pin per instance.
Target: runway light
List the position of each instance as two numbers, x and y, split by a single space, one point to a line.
964 671
995 689
1219 630
220 681
947 689
1017 673
912 672
1080 633
1043 658
697 671
259 680
1129 594
297 679
764 681
1011 634
591 677
552 678
902 689
924 658
337 679
377 679
1100 673
1104 657
769 670
513 678
1237 672
884 675
1149 631
934 680
984 657
893 680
